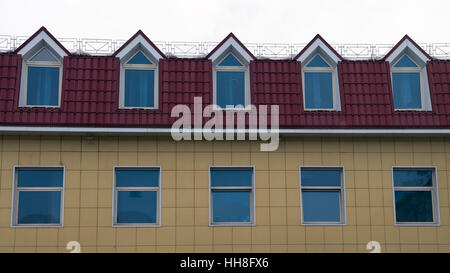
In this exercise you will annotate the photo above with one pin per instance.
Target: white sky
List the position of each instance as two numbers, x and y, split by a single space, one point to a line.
344 21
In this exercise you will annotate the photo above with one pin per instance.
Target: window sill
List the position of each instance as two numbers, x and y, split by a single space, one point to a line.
138 108
413 110
40 106
231 224
323 224
135 225
417 224
37 226
218 108
321 110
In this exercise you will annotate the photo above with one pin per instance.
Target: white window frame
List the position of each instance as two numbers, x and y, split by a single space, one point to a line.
233 188
243 68
125 66
117 189
330 68
341 189
422 79
16 190
28 63
434 195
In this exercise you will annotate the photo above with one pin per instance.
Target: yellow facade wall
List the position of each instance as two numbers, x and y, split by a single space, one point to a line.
184 180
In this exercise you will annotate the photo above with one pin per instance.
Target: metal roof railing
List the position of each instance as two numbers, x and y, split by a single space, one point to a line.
200 49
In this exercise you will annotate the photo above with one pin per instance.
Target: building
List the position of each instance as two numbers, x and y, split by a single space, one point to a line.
87 153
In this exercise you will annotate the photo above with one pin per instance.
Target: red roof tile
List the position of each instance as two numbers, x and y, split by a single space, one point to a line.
90 94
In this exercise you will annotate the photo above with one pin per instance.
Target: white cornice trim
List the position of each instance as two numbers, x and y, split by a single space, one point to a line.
139 39
231 42
162 131
318 44
42 36
407 44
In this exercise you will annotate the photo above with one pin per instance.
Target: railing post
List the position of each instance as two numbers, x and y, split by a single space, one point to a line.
13 42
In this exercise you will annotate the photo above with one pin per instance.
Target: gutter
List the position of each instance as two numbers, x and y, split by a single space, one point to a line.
105 131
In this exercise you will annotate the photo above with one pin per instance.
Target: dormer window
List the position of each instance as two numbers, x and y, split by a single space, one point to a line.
43 79
406 85
320 76
231 83
410 90
139 82
42 70
231 78
139 62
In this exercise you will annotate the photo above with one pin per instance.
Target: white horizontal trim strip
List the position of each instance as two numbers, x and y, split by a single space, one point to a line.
163 131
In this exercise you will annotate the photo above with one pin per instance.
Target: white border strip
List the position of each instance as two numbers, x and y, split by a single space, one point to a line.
231 42
402 47
139 39
318 43
42 36
143 131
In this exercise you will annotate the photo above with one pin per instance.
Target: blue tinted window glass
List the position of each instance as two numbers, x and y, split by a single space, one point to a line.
230 60
139 88
43 56
317 62
321 206
40 178
136 206
405 62
318 90
406 88
231 177
321 178
39 207
42 85
413 206
230 88
137 178
413 178
231 206
139 58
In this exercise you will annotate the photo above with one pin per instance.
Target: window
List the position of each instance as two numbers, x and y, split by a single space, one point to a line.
139 62
139 82
406 85
38 196
43 74
318 84
231 83
322 195
137 196
415 196
320 76
231 196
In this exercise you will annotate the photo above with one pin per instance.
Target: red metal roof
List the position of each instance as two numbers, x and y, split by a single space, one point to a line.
90 94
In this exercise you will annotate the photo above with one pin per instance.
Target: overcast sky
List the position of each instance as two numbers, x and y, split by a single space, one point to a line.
345 21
